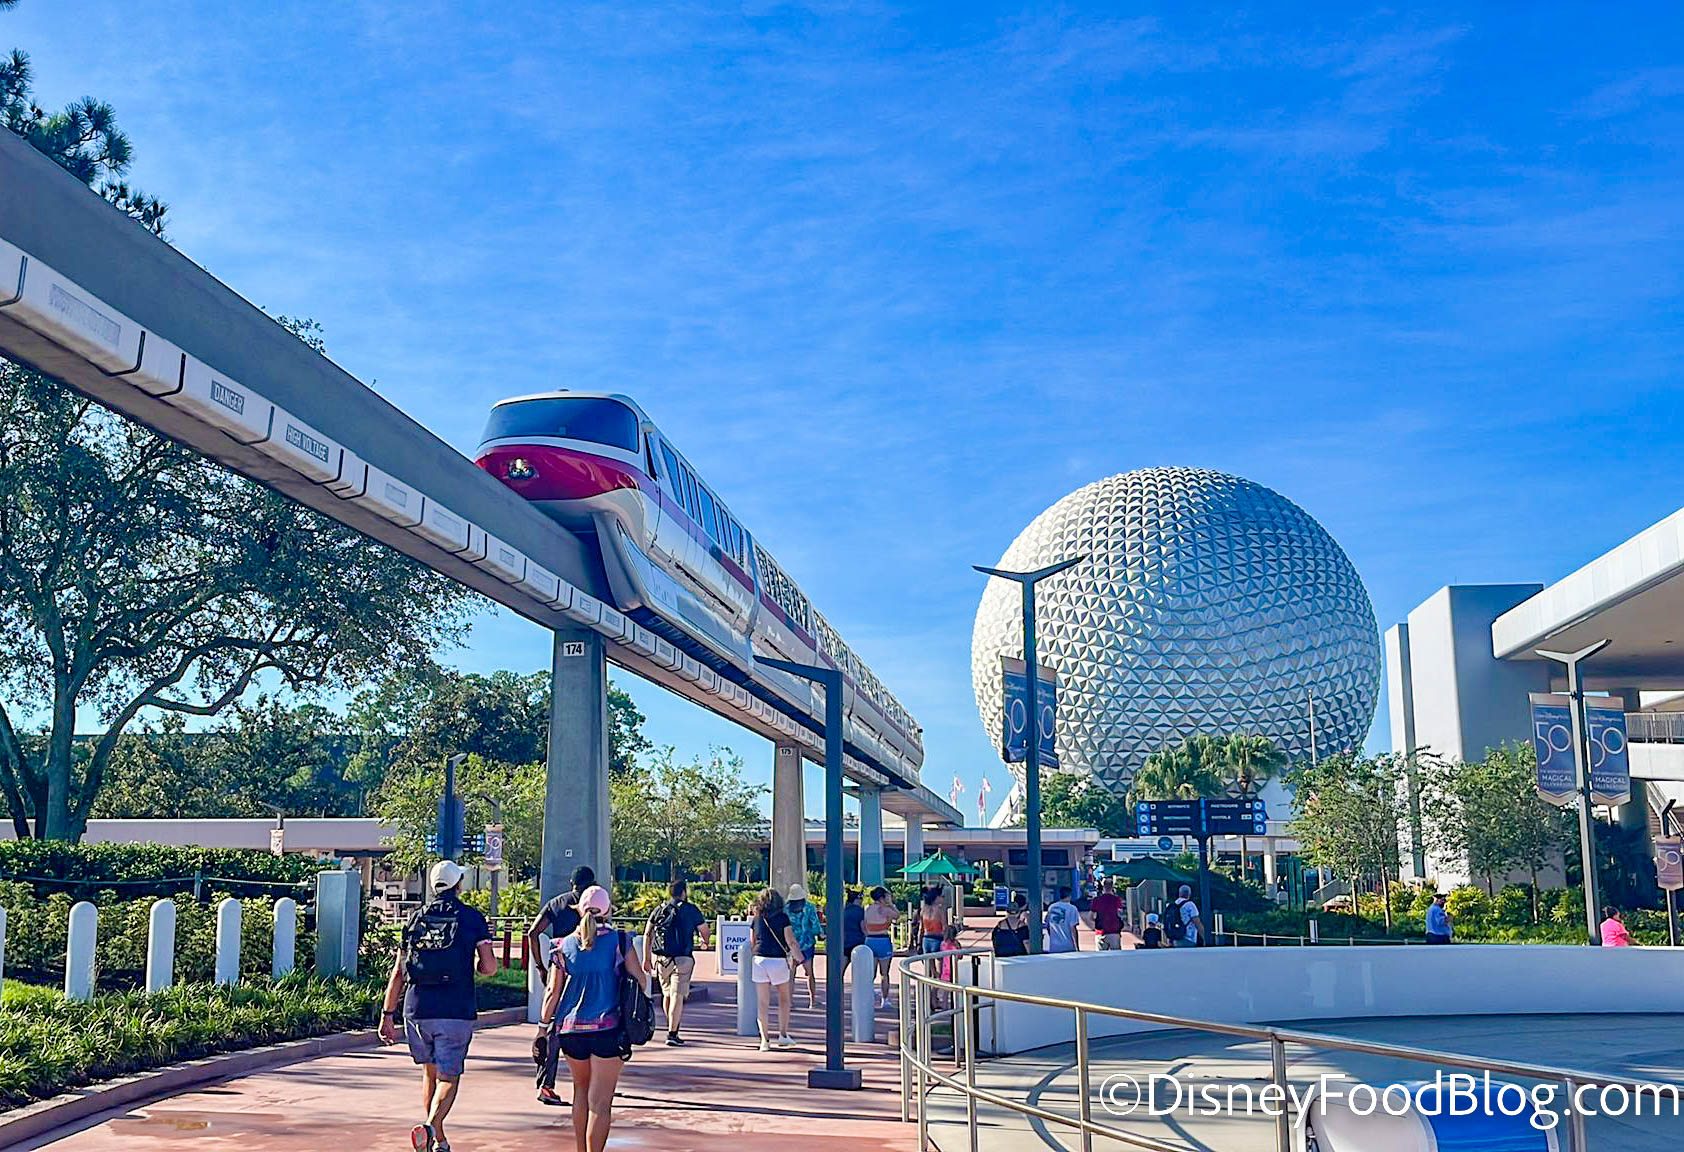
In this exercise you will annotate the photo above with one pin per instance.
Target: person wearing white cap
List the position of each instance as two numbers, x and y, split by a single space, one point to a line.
443 945
804 919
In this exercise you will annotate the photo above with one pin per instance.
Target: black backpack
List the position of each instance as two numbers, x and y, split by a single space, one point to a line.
637 1011
1176 929
663 930
429 946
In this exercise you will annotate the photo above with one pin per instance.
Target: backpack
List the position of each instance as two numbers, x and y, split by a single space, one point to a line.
429 946
663 929
637 1011
1006 942
1176 929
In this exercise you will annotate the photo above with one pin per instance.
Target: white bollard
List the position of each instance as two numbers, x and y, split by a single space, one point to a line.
285 956
748 1008
79 952
160 946
862 974
228 941
1314 934
2 946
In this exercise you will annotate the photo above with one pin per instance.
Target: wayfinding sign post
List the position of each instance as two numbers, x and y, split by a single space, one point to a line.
1202 819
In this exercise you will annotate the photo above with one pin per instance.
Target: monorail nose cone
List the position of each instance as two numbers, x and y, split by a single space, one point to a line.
520 468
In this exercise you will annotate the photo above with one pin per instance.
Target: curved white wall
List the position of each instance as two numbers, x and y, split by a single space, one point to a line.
1263 985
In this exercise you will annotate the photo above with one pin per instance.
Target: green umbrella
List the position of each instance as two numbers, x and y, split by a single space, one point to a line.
1146 868
938 863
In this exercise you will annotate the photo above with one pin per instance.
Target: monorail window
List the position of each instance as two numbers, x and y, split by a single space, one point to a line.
709 521
673 481
593 419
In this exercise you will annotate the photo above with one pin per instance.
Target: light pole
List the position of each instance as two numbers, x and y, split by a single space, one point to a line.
1581 771
450 811
1032 733
833 1074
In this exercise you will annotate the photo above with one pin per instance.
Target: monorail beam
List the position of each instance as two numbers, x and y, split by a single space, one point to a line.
789 823
576 789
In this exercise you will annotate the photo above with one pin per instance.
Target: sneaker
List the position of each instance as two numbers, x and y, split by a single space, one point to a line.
441 1146
786 1042
421 1138
551 1099
765 1046
672 1040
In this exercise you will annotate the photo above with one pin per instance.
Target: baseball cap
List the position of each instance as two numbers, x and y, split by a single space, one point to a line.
1151 917
797 892
594 899
445 875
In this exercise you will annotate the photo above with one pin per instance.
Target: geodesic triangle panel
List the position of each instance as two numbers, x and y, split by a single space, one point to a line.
1208 604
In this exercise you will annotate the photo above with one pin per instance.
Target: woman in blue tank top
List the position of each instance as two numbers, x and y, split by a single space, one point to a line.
582 1012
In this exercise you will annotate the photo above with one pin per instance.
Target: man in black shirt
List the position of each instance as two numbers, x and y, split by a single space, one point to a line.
558 917
670 938
443 946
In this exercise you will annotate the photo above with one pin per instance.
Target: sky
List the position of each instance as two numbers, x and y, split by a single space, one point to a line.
896 279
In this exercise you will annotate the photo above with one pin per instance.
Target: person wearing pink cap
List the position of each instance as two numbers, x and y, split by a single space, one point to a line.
582 1012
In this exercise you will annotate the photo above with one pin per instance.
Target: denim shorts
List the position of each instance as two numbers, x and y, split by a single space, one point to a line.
441 1043
881 946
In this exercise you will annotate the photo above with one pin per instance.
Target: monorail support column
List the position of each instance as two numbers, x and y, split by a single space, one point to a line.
914 839
871 835
576 789
789 824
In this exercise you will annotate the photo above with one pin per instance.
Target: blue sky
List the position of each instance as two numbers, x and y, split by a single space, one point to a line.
897 279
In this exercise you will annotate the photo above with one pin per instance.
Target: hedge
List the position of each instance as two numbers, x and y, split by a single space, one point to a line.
80 871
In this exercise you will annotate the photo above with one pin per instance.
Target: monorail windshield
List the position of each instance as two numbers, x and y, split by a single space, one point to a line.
589 418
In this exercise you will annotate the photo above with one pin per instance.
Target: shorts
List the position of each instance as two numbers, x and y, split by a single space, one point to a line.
1110 941
674 973
607 1044
441 1043
1186 943
928 944
881 946
771 970
809 950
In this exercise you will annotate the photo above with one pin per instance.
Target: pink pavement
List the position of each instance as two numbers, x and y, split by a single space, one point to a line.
716 1093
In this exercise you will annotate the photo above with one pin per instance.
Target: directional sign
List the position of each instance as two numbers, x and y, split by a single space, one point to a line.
1236 818
1610 770
1552 741
1016 719
1167 818
1001 896
1669 862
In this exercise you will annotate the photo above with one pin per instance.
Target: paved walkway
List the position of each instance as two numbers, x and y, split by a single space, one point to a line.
716 1093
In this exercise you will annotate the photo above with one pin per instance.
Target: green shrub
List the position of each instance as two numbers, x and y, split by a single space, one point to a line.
81 871
1467 905
1420 899
1512 905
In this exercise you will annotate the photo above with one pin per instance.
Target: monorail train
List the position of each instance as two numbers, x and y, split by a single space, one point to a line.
678 562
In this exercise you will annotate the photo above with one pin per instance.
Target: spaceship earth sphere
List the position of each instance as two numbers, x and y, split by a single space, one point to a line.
1208 603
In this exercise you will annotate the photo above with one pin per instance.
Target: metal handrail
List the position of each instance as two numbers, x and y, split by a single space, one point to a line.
917 1065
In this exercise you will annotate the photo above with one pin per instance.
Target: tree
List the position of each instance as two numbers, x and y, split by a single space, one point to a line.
1489 812
1198 766
1348 812
135 575
409 801
687 817
1077 800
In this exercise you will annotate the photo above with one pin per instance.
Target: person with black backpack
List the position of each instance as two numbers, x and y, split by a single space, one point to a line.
1184 928
595 1011
443 945
670 937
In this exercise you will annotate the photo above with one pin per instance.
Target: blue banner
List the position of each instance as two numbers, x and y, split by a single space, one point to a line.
1610 768
1016 721
1552 740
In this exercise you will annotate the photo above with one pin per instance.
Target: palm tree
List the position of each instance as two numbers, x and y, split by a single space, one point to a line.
1195 767
1251 761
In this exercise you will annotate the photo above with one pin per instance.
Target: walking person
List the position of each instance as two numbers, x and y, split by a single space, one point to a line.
776 952
1107 910
581 1013
1185 929
443 945
558 917
853 926
1011 934
804 918
670 938
1153 935
879 919
1612 931
1439 925
1062 922
932 919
